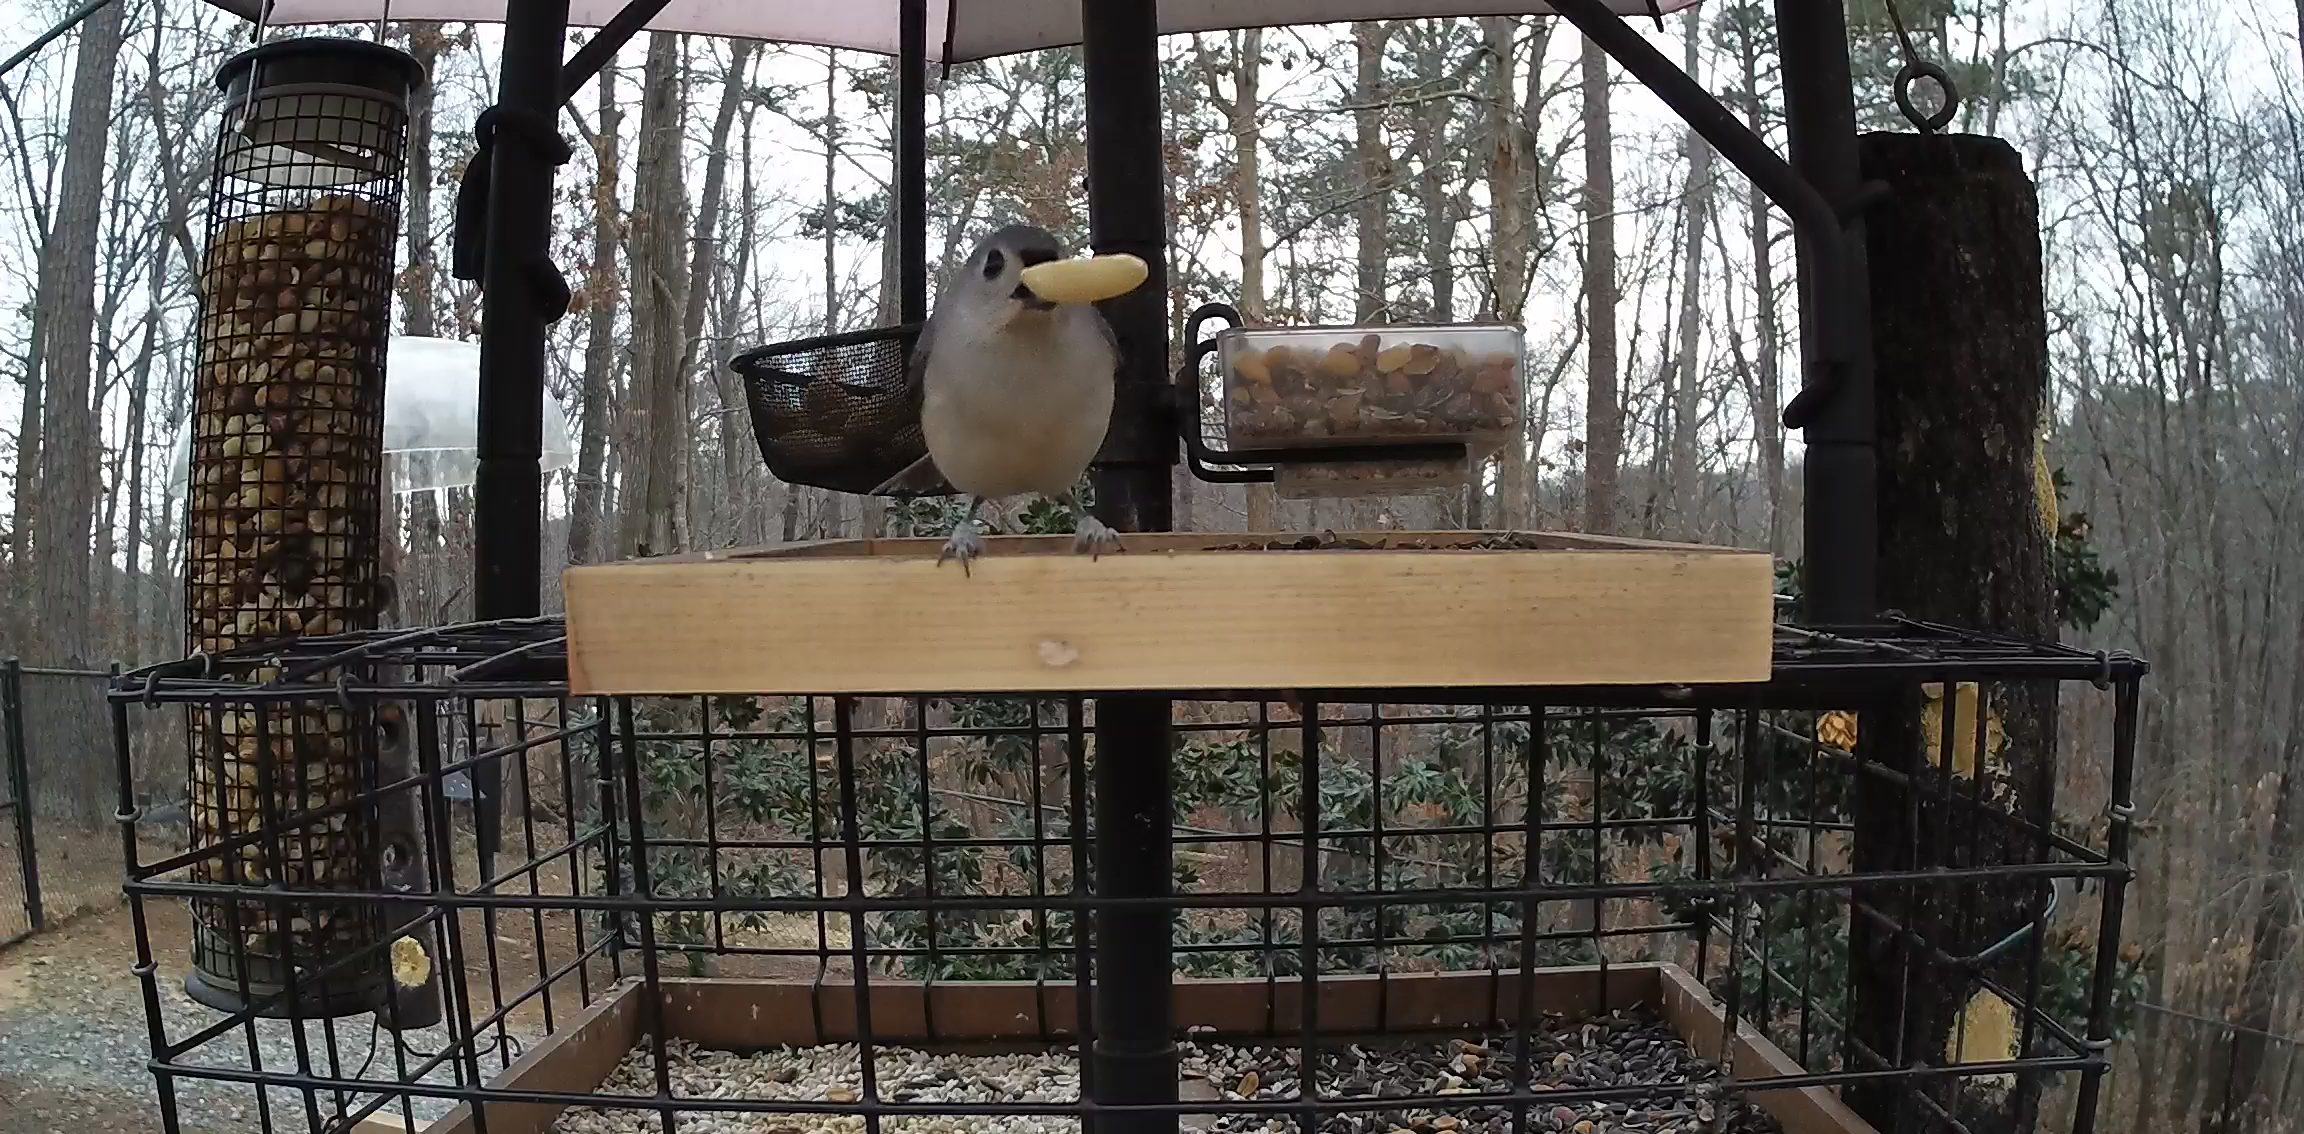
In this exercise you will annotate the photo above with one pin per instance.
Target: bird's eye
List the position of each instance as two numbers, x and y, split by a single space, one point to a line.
994 264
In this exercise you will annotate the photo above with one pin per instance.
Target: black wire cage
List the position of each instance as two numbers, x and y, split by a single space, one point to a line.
1629 908
282 517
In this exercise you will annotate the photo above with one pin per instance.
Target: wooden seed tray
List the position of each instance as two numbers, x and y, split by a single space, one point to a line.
1175 612
749 1015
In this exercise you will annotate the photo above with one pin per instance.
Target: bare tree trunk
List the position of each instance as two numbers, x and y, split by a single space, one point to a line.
891 301
1963 371
455 603
417 283
704 255
1510 156
738 470
2272 941
1241 108
831 201
1370 304
1248 165
1766 426
30 444
600 294
28 448
1603 409
139 401
1685 391
1433 149
66 489
412 571
653 496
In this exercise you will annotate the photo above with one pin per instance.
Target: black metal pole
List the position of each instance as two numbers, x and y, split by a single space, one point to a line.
17 764
912 164
516 307
613 35
1135 1052
1840 472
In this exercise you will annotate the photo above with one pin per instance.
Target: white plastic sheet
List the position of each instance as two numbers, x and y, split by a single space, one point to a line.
431 419
974 29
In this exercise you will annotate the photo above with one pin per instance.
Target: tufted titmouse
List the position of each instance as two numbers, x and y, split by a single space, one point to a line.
1013 376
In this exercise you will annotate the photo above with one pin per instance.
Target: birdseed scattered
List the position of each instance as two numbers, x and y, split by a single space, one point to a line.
1630 1049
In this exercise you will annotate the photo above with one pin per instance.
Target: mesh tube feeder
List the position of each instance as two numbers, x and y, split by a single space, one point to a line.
284 515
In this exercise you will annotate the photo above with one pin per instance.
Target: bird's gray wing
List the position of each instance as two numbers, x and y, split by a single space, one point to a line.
921 475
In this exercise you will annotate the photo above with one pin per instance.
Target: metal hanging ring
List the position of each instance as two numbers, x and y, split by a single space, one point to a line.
1915 69
1932 122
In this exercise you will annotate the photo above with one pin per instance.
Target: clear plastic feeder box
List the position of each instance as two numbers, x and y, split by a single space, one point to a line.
1312 387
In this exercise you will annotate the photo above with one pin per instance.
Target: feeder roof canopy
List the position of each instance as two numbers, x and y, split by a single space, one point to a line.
958 30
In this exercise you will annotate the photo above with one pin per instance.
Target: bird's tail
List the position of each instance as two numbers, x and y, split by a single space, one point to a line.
919 476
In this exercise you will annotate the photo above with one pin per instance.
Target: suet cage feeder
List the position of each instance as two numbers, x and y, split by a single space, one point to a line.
283 510
1623 902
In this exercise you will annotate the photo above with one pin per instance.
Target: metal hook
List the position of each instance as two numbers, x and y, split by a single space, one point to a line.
255 66
1914 70
1930 122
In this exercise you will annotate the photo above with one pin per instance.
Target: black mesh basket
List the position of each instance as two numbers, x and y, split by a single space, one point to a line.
833 412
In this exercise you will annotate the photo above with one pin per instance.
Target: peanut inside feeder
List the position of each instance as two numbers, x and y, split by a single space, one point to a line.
1315 388
285 519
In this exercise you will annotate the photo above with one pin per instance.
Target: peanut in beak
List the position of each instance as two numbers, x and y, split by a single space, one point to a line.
1089 280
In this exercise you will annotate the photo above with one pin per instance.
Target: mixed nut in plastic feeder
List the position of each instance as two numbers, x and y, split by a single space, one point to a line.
1314 387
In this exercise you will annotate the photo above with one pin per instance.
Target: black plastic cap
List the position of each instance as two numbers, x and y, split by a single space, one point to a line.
336 60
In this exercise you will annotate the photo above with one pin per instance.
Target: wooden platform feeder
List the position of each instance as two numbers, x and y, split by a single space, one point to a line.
752 1015
1175 612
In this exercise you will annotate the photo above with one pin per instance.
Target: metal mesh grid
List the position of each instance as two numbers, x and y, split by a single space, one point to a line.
834 411
877 857
284 517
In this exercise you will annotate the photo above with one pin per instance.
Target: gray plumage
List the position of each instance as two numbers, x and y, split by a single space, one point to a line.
1014 392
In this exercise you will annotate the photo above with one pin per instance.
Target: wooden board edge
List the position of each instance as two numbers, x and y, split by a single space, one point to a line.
576 1057
800 548
615 649
1700 1020
926 546
740 1014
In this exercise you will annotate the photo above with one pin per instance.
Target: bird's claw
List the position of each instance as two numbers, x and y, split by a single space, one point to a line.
965 545
1093 537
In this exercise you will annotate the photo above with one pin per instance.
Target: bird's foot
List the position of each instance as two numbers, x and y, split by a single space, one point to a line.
1093 537
965 545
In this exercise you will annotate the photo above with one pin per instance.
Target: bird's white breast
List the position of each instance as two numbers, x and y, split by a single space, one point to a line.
1019 409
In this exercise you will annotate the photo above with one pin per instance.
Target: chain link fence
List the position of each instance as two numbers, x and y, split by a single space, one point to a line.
59 793
2180 1074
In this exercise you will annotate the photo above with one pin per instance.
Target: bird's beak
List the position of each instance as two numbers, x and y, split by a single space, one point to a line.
1031 299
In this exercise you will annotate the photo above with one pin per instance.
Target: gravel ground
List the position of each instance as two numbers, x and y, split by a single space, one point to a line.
1615 1051
74 1044
73 1048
